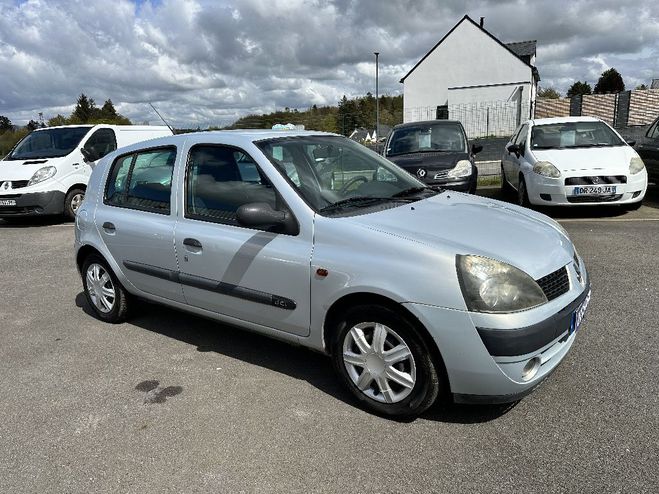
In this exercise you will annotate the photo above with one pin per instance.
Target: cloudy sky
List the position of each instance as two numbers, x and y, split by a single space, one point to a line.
209 62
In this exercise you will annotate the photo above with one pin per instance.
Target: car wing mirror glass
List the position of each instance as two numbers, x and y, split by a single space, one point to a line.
87 155
513 148
631 142
476 149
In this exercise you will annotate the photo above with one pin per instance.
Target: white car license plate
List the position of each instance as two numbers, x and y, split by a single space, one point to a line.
7 202
578 315
594 190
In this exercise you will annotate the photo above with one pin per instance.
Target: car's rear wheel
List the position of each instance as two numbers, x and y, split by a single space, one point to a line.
384 362
522 194
104 293
72 202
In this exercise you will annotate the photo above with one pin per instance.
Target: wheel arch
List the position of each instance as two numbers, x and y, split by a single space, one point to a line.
76 186
84 252
365 298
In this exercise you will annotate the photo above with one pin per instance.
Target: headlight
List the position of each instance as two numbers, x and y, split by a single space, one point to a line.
42 174
546 169
462 169
636 165
494 286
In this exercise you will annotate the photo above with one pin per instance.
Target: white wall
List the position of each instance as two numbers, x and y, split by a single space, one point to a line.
468 57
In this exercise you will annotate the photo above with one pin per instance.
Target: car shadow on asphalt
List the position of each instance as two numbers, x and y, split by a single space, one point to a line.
294 361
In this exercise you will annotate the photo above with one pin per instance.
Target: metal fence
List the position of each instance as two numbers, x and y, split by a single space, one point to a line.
479 119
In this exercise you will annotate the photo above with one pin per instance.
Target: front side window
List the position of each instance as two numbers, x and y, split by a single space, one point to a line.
142 180
427 137
220 179
653 133
334 174
520 140
574 135
101 142
49 143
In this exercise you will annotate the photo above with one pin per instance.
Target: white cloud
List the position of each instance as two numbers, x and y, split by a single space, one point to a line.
209 62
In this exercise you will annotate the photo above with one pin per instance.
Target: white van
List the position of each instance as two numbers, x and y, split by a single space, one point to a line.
48 170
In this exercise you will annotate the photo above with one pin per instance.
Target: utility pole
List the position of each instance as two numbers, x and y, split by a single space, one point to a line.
377 103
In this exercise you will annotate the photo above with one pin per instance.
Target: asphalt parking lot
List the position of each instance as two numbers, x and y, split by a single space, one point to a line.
174 403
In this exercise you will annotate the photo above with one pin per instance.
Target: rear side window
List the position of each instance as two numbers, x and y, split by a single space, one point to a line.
220 179
142 180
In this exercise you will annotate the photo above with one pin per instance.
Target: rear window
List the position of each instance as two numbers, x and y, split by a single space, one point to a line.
142 180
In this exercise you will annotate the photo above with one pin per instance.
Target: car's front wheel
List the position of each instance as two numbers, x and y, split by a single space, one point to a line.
104 293
72 202
384 362
523 194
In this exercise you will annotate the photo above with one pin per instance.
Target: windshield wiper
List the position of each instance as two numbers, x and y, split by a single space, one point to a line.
411 191
357 201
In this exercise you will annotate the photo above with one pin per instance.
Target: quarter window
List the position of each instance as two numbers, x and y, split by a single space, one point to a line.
142 181
219 180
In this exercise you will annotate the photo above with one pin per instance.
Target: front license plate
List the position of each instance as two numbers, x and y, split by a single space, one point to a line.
594 190
7 202
578 315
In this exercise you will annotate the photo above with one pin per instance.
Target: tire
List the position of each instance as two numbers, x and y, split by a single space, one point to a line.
506 188
72 202
522 194
410 383
105 295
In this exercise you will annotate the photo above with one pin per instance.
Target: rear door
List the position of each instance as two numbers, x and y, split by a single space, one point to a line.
136 220
258 276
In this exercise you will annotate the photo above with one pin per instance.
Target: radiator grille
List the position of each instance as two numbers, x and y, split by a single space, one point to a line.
555 284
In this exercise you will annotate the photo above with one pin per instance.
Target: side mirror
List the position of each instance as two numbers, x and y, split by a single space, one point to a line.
476 149
513 148
632 143
87 155
261 215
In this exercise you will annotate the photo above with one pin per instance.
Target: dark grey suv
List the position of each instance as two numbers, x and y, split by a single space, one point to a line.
436 152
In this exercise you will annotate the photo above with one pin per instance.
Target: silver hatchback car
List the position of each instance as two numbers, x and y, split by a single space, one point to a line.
311 238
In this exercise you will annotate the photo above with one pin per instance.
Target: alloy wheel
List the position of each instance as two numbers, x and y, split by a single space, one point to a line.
76 201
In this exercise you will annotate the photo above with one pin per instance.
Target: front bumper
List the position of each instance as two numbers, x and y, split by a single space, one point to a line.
485 354
545 191
32 204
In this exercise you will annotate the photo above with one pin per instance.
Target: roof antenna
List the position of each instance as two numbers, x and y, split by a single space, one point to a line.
158 113
482 21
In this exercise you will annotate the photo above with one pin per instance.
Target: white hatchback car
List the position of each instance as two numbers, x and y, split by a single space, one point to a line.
314 239
572 160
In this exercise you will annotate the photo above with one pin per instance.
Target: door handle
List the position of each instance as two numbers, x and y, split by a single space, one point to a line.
109 227
192 242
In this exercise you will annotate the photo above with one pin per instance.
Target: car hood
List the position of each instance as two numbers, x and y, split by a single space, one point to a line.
587 158
24 169
456 223
435 161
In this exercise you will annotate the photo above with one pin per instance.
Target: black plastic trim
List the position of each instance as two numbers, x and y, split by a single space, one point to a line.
34 204
521 341
213 285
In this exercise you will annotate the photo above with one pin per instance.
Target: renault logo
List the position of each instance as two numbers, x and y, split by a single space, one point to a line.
421 172
596 180
6 185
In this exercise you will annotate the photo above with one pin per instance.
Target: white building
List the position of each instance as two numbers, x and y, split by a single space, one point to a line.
471 76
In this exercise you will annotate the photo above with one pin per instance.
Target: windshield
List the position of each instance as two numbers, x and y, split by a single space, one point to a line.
49 143
334 173
427 137
573 135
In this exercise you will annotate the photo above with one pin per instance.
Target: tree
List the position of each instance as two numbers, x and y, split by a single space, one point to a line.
609 82
5 124
641 87
548 93
579 88
58 119
84 111
32 125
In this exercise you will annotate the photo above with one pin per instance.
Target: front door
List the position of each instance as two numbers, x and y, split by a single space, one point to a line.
258 276
136 221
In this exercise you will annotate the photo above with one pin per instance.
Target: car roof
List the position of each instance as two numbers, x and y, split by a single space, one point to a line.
555 120
427 122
